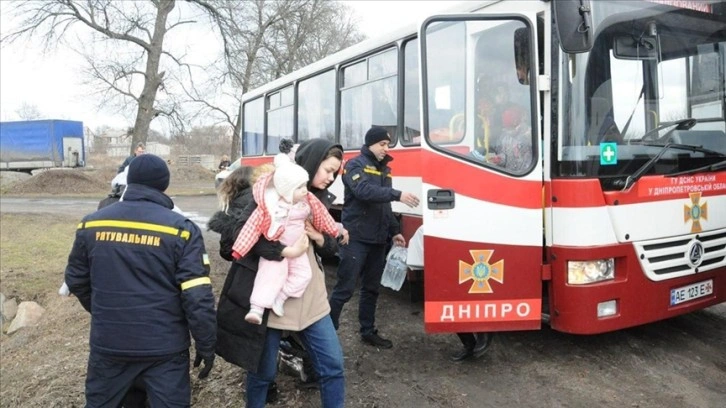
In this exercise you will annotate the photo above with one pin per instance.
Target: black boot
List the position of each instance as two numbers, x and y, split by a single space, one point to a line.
309 378
462 355
377 341
272 394
483 340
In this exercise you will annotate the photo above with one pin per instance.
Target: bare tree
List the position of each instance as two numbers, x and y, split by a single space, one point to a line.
140 27
312 31
28 111
264 40
261 40
243 27
203 140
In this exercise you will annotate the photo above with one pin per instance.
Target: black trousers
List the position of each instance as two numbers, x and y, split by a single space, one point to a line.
166 380
135 396
468 340
359 259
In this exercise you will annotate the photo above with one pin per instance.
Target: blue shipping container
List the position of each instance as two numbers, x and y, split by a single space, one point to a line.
40 144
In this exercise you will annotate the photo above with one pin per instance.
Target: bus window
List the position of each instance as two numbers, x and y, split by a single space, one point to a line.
491 124
369 97
316 107
446 67
279 118
411 97
503 130
707 91
673 98
383 64
253 131
355 74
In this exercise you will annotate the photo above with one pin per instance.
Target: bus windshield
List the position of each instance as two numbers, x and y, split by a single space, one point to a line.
655 76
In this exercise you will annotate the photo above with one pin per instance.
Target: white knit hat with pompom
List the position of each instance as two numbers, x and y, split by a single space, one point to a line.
288 177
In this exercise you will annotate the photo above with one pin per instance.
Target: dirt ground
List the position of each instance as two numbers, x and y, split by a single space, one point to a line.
679 362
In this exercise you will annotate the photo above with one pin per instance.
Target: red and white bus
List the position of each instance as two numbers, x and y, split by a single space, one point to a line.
570 155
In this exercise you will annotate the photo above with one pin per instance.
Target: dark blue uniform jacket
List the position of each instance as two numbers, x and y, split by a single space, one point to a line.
367 213
142 272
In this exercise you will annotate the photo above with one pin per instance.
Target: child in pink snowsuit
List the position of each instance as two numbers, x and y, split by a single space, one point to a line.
282 209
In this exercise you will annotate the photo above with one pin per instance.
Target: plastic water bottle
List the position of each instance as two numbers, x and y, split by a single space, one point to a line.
395 271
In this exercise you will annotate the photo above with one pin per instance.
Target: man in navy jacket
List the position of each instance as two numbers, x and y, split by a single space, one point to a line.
142 272
368 217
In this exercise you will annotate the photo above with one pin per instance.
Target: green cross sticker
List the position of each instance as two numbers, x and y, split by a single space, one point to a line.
608 154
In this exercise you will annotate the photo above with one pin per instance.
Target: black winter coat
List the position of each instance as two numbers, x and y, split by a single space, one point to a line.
239 342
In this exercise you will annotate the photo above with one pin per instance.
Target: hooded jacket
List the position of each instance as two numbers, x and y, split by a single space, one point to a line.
242 343
309 155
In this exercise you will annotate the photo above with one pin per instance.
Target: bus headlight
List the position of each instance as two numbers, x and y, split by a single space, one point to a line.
584 272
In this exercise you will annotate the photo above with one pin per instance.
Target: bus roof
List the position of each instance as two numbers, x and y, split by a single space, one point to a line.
354 51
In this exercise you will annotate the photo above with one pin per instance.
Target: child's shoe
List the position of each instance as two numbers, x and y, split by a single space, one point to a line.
277 307
254 316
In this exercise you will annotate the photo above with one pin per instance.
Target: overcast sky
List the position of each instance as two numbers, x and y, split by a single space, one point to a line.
53 82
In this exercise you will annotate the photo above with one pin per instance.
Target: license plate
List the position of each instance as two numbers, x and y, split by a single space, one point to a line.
690 292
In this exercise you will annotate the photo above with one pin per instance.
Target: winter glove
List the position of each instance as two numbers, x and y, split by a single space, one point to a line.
208 363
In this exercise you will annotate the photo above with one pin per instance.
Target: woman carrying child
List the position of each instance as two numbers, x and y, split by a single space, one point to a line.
255 347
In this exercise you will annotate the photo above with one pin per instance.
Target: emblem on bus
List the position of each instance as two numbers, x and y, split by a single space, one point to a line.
696 212
695 254
481 271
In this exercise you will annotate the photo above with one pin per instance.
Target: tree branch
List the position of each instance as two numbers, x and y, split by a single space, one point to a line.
105 30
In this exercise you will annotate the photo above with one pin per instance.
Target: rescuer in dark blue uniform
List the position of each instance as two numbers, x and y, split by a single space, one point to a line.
368 217
142 272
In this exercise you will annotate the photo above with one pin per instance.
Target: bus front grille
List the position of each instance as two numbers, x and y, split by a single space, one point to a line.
668 258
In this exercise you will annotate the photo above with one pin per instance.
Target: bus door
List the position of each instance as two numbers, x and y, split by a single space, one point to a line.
481 174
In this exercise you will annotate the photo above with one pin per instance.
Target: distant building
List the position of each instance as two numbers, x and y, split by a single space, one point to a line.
118 144
208 161
157 148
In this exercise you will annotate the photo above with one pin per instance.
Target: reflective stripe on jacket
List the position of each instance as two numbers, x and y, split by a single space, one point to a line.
142 272
367 213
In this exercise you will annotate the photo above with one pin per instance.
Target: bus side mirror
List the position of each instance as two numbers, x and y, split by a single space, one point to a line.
628 47
573 21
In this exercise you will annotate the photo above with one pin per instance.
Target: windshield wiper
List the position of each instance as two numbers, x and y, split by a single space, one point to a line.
633 178
681 124
711 167
693 148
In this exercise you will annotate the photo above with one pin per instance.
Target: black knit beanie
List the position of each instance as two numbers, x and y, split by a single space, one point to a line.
286 145
150 171
375 134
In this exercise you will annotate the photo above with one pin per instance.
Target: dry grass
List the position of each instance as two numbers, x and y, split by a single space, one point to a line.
41 366
34 252
45 366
